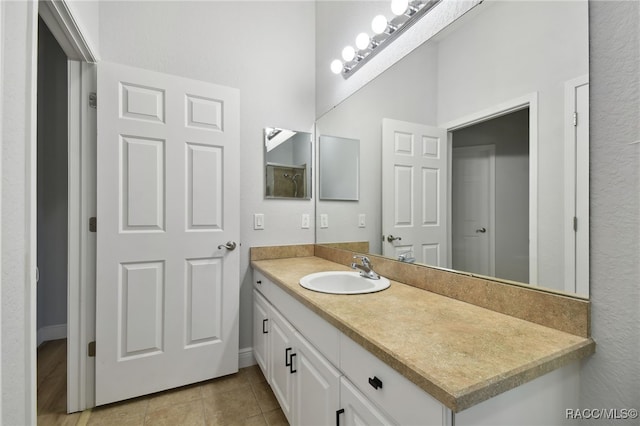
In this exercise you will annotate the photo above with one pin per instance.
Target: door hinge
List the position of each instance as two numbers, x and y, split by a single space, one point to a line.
91 349
93 224
575 224
93 100
575 119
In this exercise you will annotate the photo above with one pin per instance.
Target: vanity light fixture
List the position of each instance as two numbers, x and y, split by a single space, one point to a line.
407 12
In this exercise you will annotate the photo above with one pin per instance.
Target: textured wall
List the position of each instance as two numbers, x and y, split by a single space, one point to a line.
17 35
609 378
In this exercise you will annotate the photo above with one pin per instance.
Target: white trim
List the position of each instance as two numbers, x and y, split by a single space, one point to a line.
52 332
571 180
31 210
1 175
531 101
245 358
82 243
65 29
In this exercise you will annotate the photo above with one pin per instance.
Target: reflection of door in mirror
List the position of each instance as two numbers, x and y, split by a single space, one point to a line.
473 209
414 192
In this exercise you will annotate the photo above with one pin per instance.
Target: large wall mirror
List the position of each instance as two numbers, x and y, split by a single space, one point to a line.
474 149
287 163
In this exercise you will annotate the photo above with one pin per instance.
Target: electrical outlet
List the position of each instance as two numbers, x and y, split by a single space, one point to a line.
305 221
324 220
362 220
258 221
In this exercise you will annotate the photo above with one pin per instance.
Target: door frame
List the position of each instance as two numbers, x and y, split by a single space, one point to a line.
492 199
530 101
81 201
576 181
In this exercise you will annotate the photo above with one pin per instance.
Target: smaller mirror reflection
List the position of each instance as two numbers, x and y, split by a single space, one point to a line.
287 157
339 165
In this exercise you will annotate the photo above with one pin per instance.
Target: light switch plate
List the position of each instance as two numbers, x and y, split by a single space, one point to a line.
258 221
362 220
305 221
324 220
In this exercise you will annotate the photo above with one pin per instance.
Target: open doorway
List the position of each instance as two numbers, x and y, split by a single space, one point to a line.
52 224
490 197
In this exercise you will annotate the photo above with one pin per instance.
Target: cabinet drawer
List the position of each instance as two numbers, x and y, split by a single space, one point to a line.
402 400
261 283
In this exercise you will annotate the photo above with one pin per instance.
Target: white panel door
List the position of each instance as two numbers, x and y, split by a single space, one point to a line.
473 209
414 191
167 202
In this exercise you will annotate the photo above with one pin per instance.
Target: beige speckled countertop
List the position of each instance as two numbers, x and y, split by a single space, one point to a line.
459 353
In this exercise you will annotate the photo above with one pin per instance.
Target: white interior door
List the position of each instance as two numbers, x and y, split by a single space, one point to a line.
414 191
473 209
167 202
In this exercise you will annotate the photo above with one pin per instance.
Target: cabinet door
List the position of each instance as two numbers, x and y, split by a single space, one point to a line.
316 387
281 366
358 410
260 331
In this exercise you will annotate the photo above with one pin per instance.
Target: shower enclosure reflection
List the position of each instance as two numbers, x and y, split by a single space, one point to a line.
287 158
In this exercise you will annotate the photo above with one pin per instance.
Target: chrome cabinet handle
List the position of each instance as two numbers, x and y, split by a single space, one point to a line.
229 246
481 230
391 238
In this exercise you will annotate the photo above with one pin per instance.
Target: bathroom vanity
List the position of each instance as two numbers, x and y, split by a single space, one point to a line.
406 355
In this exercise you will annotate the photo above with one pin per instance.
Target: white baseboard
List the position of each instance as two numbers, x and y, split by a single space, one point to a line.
245 358
52 332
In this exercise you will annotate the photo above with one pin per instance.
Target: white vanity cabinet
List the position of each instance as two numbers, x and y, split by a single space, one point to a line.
301 369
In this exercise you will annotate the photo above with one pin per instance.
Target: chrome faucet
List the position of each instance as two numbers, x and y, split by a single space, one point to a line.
366 269
407 257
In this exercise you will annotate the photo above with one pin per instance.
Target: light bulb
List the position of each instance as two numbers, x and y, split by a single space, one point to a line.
336 66
348 53
379 24
362 41
398 7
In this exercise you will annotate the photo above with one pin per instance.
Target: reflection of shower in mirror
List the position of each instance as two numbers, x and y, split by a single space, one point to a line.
293 179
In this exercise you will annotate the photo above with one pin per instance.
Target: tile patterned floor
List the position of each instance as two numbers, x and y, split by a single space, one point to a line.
244 398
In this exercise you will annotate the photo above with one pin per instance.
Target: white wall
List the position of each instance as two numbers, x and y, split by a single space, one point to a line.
52 187
262 48
609 378
477 71
18 40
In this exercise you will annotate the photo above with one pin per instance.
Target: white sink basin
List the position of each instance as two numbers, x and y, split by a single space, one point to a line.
342 282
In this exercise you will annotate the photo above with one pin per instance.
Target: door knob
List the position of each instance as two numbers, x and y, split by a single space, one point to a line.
391 238
481 230
229 246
